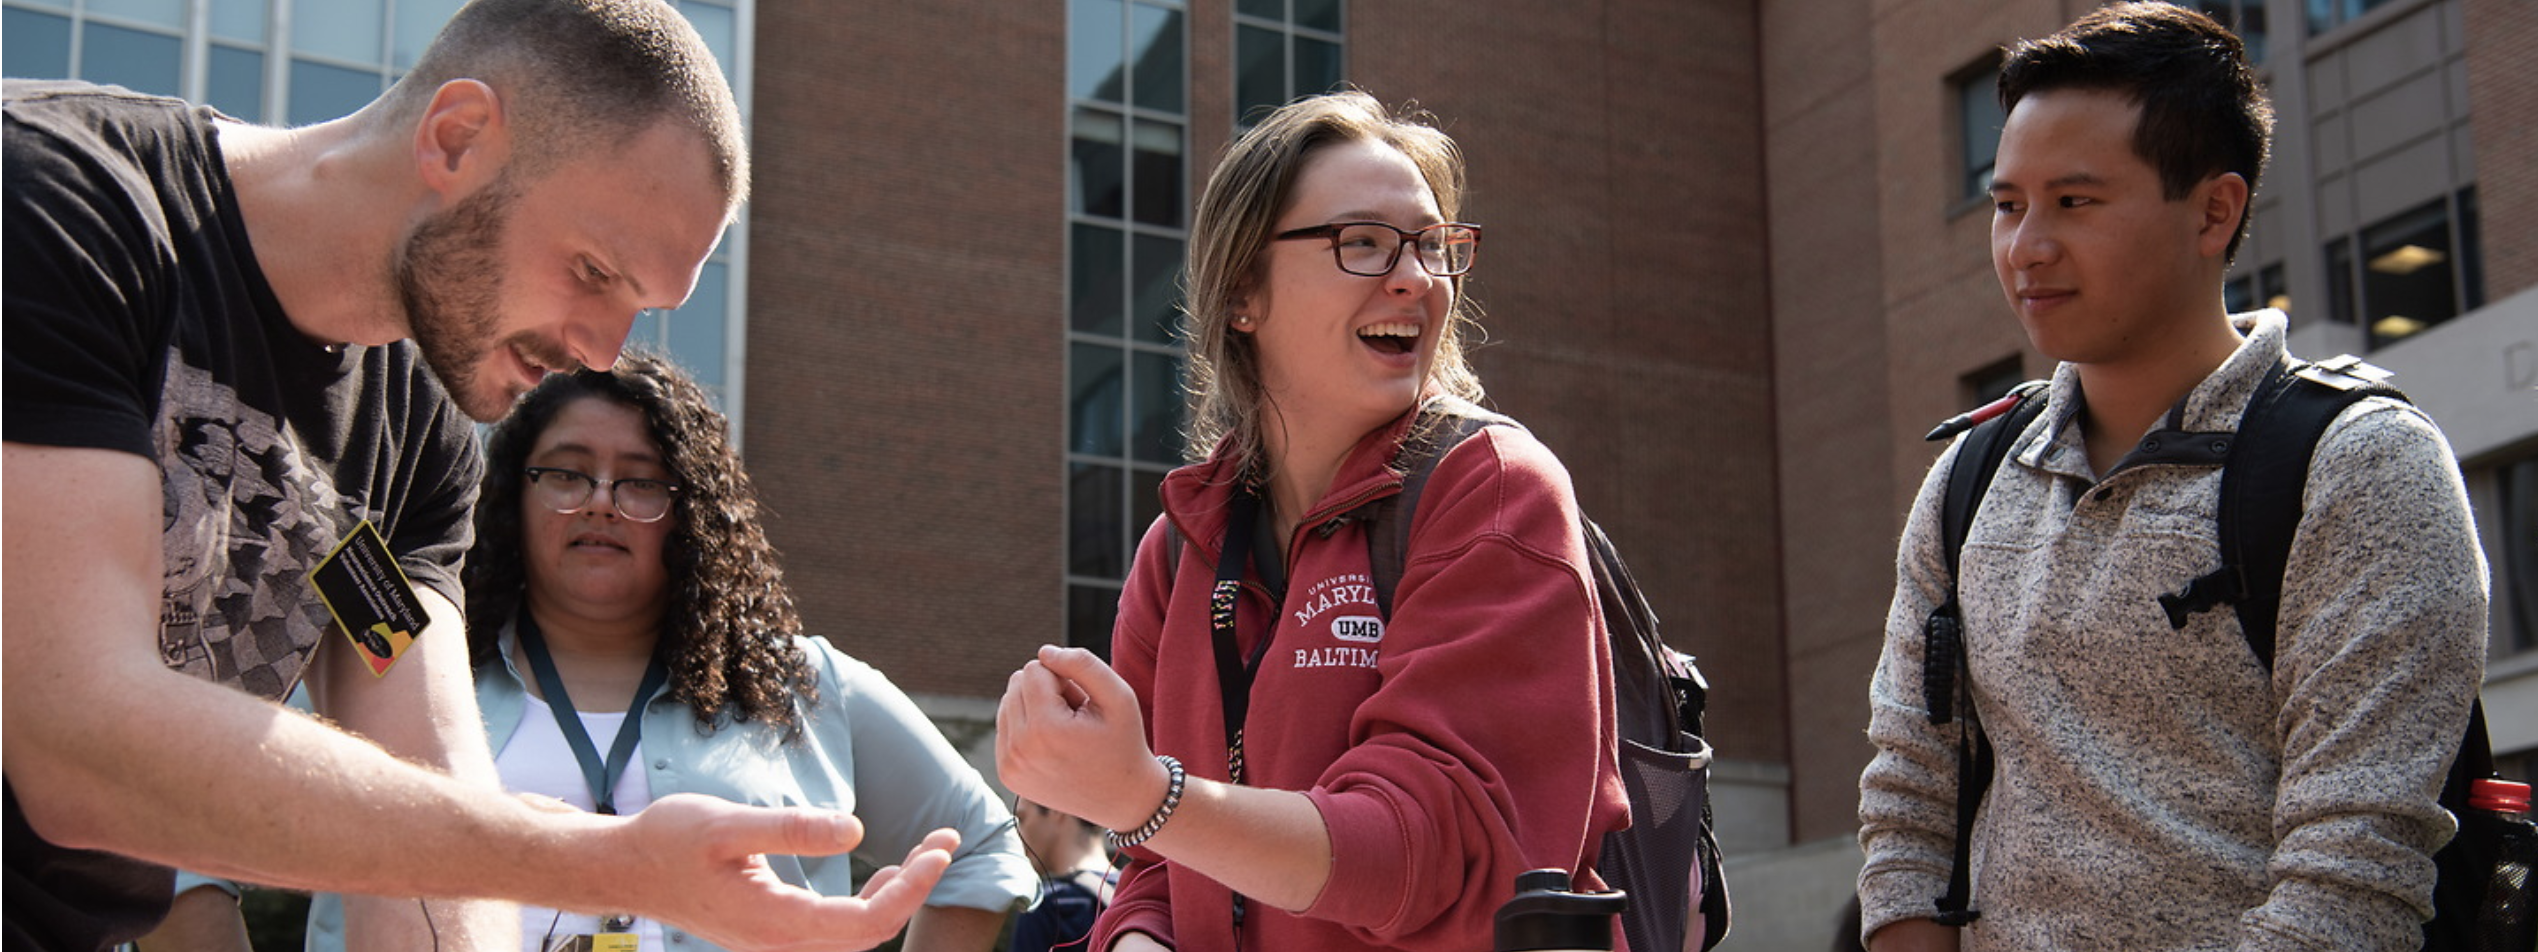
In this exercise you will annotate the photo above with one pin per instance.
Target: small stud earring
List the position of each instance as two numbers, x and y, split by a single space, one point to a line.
1242 320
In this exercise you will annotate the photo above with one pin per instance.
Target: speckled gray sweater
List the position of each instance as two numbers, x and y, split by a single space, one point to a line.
2156 790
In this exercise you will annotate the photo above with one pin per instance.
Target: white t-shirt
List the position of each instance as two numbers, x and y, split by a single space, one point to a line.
537 760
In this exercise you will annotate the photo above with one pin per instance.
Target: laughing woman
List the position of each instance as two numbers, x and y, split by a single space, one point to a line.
1395 776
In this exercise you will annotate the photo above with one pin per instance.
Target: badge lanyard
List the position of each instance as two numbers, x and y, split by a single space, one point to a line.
602 776
1234 673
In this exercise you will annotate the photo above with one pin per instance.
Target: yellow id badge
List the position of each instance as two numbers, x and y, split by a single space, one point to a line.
373 603
602 942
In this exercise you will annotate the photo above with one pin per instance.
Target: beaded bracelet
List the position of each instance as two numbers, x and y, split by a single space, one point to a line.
1171 799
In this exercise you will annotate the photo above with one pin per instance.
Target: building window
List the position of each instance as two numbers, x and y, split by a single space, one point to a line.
1127 209
1992 382
2326 15
1284 49
337 57
2515 557
2265 288
2243 17
2413 270
1978 121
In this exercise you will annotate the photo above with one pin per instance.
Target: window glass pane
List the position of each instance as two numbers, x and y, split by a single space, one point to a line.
320 92
243 20
346 31
166 13
1157 410
1094 295
35 45
2239 294
236 83
1158 173
719 26
2471 251
1158 289
2339 281
1317 66
646 331
1266 9
1091 611
2273 288
141 62
1157 34
1260 72
1096 528
2251 30
696 328
1095 59
61 5
1145 500
2518 545
1097 159
1318 15
2407 273
1098 403
1978 105
418 21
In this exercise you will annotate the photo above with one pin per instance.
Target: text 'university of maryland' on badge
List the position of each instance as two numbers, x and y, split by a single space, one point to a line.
368 594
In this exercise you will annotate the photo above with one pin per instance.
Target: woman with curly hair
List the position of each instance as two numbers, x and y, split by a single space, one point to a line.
619 559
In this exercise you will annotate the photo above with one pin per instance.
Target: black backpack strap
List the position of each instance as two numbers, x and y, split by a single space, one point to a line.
2262 486
1443 424
1943 663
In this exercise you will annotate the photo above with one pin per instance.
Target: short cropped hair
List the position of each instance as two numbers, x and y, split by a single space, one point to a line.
2202 110
579 77
1252 186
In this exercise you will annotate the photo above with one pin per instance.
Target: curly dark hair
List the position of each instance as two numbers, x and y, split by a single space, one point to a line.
728 633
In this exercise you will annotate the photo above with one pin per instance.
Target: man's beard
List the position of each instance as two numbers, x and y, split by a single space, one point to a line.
449 279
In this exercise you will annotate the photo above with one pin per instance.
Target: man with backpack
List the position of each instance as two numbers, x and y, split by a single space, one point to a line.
2153 783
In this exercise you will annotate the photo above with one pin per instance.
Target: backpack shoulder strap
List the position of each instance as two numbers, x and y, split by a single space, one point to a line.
1443 424
2263 482
1995 428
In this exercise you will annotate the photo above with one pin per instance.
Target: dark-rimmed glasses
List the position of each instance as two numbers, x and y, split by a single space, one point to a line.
1371 248
568 491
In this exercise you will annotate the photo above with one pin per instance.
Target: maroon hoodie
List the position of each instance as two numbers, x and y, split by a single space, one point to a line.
1468 739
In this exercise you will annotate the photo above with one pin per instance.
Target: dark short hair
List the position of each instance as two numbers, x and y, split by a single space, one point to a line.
2202 110
583 76
728 632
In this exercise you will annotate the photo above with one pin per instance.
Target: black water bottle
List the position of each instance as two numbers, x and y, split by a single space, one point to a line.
1544 916
2499 813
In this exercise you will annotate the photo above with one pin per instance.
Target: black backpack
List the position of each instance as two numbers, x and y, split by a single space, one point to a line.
2265 468
1658 701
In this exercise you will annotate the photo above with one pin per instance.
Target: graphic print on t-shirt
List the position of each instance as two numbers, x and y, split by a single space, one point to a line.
245 517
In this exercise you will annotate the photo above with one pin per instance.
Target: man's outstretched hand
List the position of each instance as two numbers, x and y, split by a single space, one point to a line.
705 860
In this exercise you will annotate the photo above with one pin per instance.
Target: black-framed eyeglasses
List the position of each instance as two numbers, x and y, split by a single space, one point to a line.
567 491
1371 248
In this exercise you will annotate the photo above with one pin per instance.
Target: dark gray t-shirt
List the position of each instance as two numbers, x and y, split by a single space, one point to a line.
138 320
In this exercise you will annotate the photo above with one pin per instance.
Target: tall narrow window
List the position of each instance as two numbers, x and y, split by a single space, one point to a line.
1978 121
1128 203
1284 49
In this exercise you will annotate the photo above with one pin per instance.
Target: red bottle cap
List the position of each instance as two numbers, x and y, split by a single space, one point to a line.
2501 796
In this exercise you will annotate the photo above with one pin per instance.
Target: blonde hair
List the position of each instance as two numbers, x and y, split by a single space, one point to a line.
1246 194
